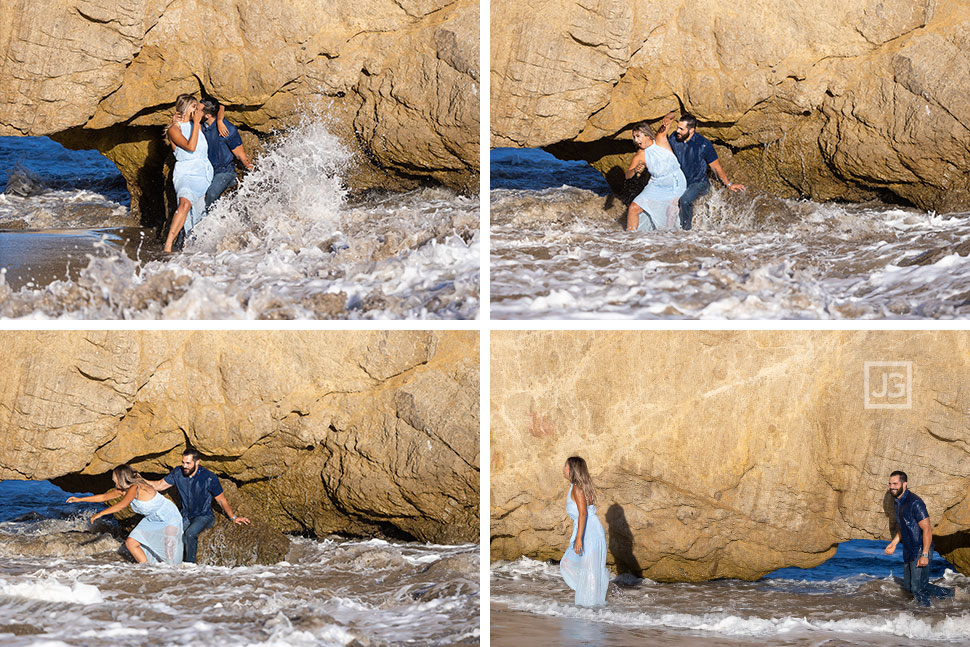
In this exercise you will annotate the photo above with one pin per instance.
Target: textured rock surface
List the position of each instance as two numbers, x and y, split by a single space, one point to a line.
724 454
397 80
353 432
812 98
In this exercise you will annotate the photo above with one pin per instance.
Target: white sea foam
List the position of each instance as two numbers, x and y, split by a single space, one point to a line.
556 253
51 590
905 625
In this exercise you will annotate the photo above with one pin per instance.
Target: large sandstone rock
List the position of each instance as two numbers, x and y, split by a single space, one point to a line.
372 433
825 99
397 81
725 454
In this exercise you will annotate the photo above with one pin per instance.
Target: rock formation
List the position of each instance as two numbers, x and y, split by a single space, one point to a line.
726 454
827 99
396 80
364 433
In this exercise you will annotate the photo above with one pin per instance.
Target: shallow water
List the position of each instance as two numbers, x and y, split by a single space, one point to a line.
288 244
562 252
854 598
63 582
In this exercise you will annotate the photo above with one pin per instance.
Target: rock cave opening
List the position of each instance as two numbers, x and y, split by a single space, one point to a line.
535 169
39 174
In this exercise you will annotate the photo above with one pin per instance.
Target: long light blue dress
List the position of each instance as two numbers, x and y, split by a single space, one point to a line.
160 532
192 175
586 574
659 199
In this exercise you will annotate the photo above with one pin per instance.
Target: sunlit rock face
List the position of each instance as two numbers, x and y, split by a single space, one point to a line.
363 433
396 81
727 454
829 100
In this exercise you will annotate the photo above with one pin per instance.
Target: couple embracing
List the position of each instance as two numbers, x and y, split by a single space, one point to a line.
205 148
678 165
164 532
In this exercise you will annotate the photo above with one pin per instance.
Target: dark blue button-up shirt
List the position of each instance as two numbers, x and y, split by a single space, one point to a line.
694 155
196 491
910 510
220 148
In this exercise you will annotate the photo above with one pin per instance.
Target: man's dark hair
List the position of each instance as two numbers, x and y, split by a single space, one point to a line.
901 475
194 453
210 107
690 120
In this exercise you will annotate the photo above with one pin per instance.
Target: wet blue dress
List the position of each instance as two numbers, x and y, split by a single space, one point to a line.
160 532
586 574
659 199
192 175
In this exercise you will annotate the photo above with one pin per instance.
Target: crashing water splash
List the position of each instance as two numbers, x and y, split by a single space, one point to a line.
289 243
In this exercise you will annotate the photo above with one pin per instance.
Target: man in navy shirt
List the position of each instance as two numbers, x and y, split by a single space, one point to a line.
695 154
196 486
223 151
916 535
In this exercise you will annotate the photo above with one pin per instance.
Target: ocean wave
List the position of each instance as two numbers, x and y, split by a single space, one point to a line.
904 625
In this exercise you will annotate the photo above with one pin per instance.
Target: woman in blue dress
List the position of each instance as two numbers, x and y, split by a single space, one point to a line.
158 537
583 566
657 205
193 172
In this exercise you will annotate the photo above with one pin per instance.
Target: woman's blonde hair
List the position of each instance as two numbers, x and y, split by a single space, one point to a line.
183 103
579 476
126 476
644 128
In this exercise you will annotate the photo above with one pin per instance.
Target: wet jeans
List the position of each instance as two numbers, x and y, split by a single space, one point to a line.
694 191
220 182
194 528
916 580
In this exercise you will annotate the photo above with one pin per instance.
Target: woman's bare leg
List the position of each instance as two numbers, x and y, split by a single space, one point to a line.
178 220
633 216
136 551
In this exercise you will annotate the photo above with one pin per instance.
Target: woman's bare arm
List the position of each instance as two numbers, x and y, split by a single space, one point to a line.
637 164
113 493
121 505
662 133
580 498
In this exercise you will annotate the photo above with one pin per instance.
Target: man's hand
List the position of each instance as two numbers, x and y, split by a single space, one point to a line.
923 561
241 520
736 187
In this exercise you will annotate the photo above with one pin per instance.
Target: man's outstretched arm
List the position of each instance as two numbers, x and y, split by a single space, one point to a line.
722 176
224 503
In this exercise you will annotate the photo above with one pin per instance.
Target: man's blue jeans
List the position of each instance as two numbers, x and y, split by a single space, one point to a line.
190 537
220 182
916 580
694 191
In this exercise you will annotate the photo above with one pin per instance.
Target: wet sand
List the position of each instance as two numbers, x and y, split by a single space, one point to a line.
36 258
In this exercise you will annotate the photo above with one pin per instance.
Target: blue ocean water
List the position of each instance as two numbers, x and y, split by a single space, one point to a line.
533 169
52 166
854 558
38 499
